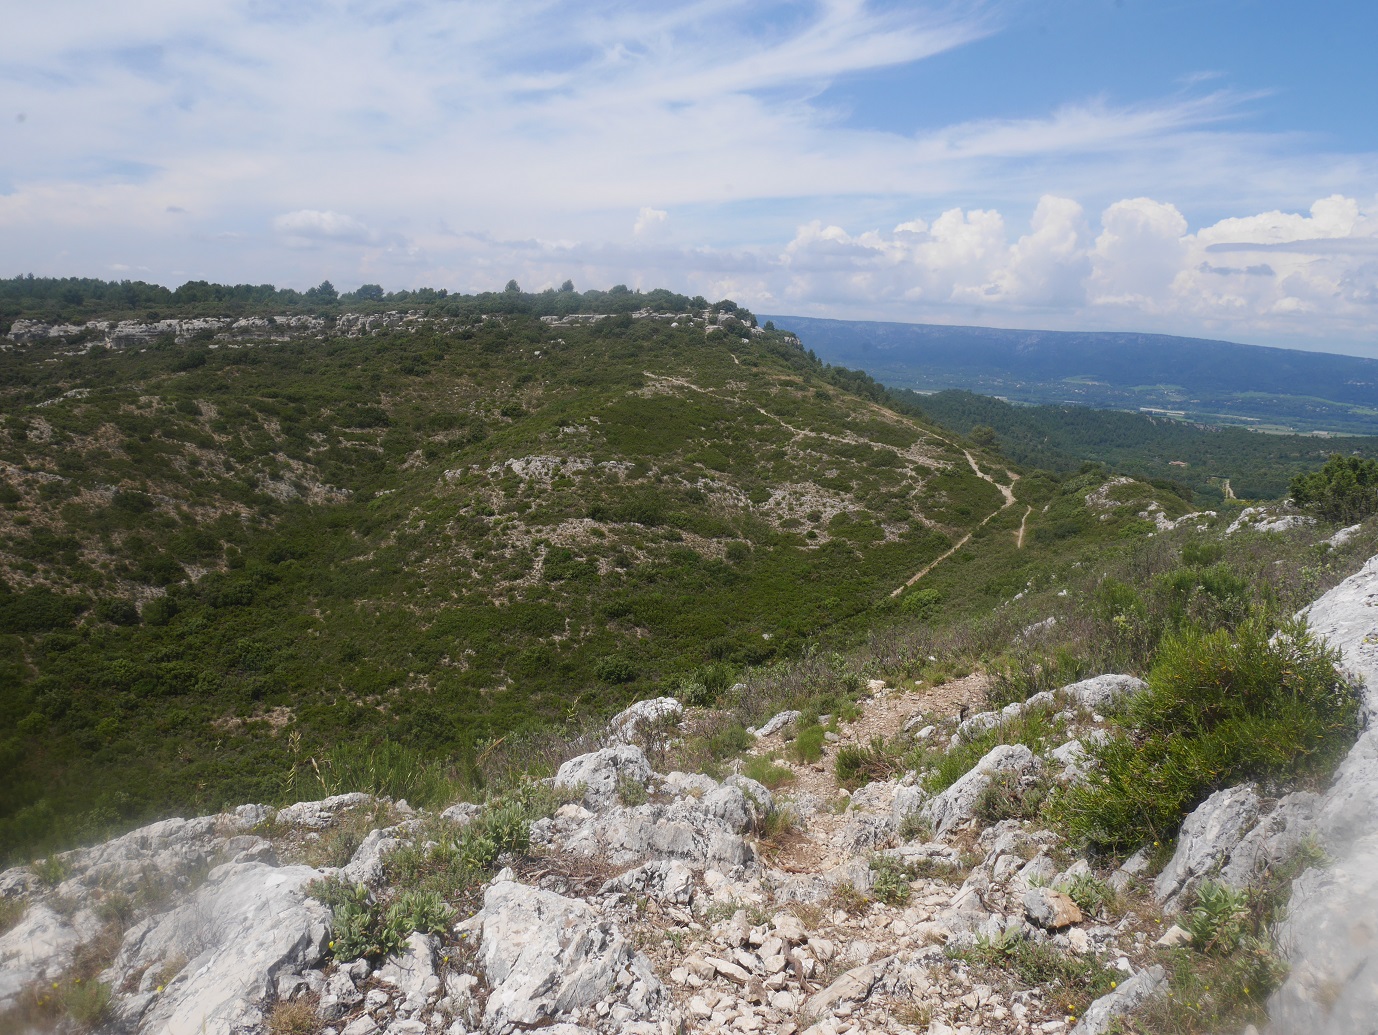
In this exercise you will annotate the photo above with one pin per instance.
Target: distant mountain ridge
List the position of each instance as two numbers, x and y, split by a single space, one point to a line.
1202 379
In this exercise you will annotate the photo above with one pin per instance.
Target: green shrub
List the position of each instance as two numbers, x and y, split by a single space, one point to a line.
1345 489
1221 707
614 670
1015 679
357 928
118 612
922 603
160 610
1219 919
51 871
500 829
631 791
693 694
424 912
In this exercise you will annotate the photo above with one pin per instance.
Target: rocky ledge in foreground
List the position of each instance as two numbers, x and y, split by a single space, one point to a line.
618 899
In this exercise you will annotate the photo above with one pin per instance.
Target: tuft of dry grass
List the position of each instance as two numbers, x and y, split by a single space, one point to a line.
296 1017
11 912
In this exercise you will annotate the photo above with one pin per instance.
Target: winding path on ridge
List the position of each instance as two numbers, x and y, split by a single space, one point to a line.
1005 490
1019 539
911 454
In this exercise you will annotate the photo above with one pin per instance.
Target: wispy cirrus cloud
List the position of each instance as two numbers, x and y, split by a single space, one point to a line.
686 144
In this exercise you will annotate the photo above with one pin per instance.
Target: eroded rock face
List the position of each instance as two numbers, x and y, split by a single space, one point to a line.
551 958
599 774
665 881
38 948
1208 836
644 719
1347 617
237 934
1330 927
957 804
703 826
1099 1015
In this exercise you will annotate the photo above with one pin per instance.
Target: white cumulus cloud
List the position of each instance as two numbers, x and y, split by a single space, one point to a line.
308 224
649 221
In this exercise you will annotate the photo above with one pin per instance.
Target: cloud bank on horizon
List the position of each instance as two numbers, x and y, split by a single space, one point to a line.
1204 169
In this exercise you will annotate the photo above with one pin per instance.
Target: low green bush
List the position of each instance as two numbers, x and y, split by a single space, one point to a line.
1221 707
1007 796
890 880
1068 979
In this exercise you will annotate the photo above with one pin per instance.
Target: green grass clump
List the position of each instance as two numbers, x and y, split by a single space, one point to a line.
631 792
85 1002
1221 707
1070 980
11 912
767 772
1007 796
51 870
807 746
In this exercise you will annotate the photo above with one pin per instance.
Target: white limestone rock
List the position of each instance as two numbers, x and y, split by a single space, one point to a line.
643 719
1208 836
956 804
1347 617
248 925
667 881
412 972
321 815
549 958
778 723
1125 999
38 948
1103 693
1344 536
599 773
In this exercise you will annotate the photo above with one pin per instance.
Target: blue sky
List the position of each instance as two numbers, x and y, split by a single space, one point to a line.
1206 168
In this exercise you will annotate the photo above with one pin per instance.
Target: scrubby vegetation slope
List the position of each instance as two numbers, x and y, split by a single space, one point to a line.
221 559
